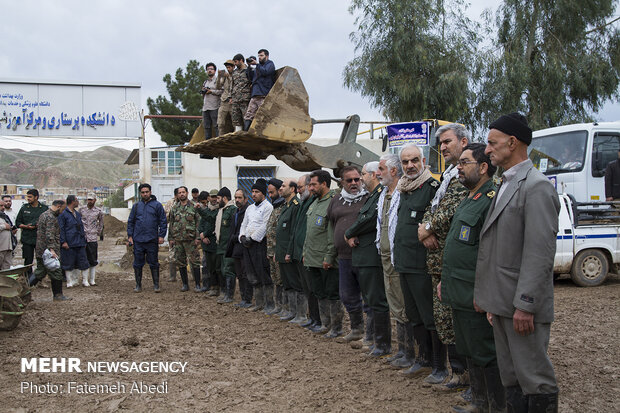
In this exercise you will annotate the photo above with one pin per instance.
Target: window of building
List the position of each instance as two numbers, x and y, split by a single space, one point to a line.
247 176
165 162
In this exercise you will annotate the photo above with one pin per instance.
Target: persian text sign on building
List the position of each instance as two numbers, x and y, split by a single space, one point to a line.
400 134
69 109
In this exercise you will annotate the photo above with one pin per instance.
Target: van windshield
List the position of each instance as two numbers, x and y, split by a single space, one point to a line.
559 153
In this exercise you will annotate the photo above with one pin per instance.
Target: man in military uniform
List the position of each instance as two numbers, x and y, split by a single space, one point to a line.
273 186
365 257
172 264
210 265
48 237
432 232
474 335
26 220
319 255
283 249
299 236
224 81
223 228
241 91
185 238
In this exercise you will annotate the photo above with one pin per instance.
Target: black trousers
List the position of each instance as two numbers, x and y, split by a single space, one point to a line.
91 253
256 263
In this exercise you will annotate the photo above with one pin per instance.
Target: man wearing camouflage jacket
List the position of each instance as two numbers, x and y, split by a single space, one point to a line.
184 237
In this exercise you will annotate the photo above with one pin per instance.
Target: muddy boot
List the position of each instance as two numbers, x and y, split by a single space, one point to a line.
57 291
325 315
280 301
91 275
270 306
357 326
259 298
368 341
155 276
137 272
516 401
196 274
84 274
206 281
496 393
422 364
479 402
291 301
214 291
408 359
172 269
383 335
336 312
544 403
243 288
400 339
184 278
301 309
460 378
438 361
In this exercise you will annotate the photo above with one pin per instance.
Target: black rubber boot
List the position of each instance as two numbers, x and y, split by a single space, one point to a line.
270 306
479 402
259 297
301 309
438 361
243 293
279 301
206 281
422 364
409 343
336 313
137 272
229 292
400 339
246 124
172 272
33 280
383 335
196 274
516 401
291 305
496 393
57 291
325 318
357 326
460 377
155 276
184 278
369 337
543 403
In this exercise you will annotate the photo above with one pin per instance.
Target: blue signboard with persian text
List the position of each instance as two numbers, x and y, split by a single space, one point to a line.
69 109
400 134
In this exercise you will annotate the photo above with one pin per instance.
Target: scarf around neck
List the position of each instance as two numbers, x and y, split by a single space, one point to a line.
406 184
351 198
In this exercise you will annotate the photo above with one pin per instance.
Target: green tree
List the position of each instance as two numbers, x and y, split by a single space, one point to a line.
185 99
116 200
414 58
556 61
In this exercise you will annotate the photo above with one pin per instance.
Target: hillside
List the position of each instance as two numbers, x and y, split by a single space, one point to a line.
67 169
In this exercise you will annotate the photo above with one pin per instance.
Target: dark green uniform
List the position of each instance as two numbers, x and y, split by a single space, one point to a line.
474 335
319 248
284 245
410 255
210 265
183 231
365 255
227 268
299 237
29 215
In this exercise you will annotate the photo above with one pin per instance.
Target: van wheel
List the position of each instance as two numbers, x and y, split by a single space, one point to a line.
590 268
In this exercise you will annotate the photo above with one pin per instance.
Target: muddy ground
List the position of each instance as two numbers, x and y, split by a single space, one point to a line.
240 361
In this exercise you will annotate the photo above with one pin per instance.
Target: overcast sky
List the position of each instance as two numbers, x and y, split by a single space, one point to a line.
140 41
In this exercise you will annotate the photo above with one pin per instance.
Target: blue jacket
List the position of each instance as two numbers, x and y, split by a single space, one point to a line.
71 229
147 221
263 78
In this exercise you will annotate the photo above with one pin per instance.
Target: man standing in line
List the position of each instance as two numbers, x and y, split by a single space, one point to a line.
8 207
342 212
27 221
211 101
6 239
284 247
184 237
211 276
241 91
223 228
273 186
263 76
320 256
195 201
514 271
73 244
252 236
389 172
313 323
364 256
432 232
172 265
224 81
235 250
146 229
474 335
48 238
92 218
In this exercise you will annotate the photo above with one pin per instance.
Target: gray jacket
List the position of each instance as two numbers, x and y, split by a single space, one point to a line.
517 248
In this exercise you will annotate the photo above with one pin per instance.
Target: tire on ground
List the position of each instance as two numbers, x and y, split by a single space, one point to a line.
590 268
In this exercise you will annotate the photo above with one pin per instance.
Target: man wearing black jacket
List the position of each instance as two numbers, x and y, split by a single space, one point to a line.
235 250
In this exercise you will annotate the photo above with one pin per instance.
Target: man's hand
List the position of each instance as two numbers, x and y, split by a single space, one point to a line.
478 309
171 243
439 290
65 245
273 258
422 232
7 226
287 258
197 241
54 255
523 322
430 242
206 241
160 240
130 240
490 318
326 265
353 242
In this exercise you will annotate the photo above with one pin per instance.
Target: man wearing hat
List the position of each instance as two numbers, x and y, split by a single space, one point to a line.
224 81
514 270
223 227
252 237
273 188
92 218
206 228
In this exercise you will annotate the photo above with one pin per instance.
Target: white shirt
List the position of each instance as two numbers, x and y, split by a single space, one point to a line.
254 223
11 213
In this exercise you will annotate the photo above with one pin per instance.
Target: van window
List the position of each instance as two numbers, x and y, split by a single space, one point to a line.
604 150
559 153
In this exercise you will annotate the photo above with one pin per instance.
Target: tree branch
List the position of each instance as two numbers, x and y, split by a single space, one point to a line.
603 26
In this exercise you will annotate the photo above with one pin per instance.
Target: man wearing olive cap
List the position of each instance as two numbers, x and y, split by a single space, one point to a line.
514 271
224 82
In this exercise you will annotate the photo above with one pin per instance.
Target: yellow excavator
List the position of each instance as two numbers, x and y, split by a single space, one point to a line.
282 126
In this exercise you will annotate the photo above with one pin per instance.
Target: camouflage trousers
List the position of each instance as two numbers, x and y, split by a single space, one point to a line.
186 250
275 271
442 314
238 111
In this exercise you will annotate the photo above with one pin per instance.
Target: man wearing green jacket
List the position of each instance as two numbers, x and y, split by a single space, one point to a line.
223 227
210 265
27 219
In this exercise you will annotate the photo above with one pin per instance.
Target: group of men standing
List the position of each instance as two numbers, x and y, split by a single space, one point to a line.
231 97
